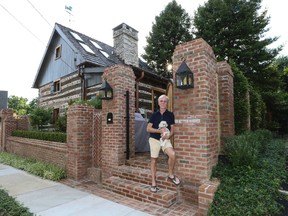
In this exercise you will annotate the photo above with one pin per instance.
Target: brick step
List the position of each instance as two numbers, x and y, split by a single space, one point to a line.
144 161
139 191
143 176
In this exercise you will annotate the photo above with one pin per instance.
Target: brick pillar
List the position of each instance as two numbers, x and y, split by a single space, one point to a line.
121 78
226 99
196 139
94 172
8 124
97 134
23 123
206 194
79 140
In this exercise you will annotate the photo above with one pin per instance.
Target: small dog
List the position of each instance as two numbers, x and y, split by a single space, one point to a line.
163 124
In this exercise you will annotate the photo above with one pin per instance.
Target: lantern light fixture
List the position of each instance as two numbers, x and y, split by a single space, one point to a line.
184 77
106 91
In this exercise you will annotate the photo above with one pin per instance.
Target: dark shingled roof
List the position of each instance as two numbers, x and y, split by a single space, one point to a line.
102 56
97 58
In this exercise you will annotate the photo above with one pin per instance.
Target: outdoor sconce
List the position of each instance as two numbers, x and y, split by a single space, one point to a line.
106 91
184 77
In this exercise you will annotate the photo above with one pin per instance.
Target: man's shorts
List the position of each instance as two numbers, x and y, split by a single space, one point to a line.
155 147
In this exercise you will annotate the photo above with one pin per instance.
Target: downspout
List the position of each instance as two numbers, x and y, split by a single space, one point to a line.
137 90
81 75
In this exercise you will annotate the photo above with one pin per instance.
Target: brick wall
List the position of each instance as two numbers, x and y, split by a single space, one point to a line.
204 117
51 152
8 124
196 137
97 134
226 99
122 79
205 196
83 131
79 140
46 151
23 123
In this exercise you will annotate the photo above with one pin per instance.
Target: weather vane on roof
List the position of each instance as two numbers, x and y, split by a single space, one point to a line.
68 9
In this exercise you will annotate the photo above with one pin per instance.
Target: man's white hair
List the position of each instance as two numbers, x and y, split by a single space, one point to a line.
163 96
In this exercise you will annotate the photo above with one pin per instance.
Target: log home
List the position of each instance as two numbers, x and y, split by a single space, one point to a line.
73 64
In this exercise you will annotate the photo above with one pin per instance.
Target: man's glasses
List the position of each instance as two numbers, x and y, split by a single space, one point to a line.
163 101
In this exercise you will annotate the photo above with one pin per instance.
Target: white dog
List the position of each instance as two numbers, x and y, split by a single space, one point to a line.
163 124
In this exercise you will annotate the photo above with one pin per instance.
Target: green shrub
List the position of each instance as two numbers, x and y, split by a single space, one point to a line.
95 102
251 190
244 149
257 109
42 135
40 116
61 124
42 169
11 207
241 100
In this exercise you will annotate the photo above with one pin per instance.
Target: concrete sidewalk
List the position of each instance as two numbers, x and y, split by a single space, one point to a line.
48 198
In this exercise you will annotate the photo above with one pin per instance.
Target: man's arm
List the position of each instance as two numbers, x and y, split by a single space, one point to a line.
150 129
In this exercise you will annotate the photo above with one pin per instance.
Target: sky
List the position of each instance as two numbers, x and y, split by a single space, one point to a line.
26 27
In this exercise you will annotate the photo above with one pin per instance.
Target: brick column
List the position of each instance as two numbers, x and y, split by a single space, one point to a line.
8 124
196 137
206 194
121 78
79 140
226 99
23 123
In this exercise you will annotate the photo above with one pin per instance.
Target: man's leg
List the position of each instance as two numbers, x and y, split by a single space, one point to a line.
153 170
171 160
171 163
154 151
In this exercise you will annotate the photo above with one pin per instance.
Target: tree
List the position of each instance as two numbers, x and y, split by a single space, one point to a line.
241 101
18 104
172 27
270 79
40 116
236 30
281 64
32 105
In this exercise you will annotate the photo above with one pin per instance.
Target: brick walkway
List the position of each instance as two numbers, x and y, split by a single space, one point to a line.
178 209
141 160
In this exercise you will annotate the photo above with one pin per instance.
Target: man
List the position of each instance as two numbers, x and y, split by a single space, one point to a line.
154 141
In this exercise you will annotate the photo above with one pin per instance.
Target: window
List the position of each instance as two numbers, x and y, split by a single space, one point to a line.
76 36
99 48
56 86
93 79
58 52
87 48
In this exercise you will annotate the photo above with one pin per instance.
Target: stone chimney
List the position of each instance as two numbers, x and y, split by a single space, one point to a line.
126 44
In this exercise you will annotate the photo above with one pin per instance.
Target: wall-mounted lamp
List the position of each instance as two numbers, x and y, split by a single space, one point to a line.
106 91
184 77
